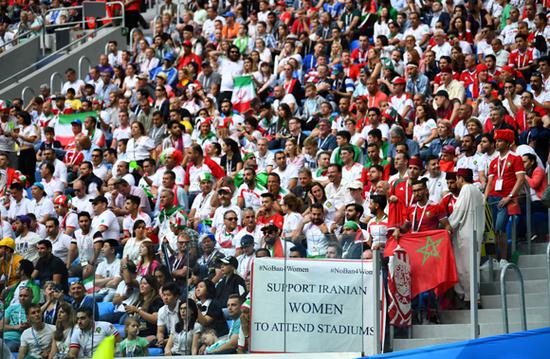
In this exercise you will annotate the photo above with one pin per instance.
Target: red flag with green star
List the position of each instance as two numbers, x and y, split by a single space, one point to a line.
431 258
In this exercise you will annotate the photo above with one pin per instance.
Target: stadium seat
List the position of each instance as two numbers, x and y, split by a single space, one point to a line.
120 329
105 308
71 280
155 352
354 45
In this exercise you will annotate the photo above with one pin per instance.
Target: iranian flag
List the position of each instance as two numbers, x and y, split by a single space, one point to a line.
63 127
431 259
243 93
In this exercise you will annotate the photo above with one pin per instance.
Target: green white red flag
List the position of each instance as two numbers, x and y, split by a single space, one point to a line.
63 128
243 93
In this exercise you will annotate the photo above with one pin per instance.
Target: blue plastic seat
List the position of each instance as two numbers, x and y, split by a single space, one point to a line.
105 308
120 329
155 352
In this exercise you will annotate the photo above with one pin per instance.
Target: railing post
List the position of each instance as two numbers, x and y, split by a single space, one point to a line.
52 77
474 330
528 223
25 89
504 299
514 235
376 314
548 279
82 58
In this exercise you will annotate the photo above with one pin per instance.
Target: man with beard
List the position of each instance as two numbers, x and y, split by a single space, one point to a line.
316 230
448 201
225 237
230 67
506 180
470 159
249 193
272 241
468 215
208 262
488 154
436 179
201 207
49 267
170 219
304 182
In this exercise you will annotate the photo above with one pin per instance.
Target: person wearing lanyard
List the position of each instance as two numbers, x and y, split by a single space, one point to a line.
89 334
36 340
506 179
15 320
421 217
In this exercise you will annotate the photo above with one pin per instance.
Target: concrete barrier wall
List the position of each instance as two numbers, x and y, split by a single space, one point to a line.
19 57
91 49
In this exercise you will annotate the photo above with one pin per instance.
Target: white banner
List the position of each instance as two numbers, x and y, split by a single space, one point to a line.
314 306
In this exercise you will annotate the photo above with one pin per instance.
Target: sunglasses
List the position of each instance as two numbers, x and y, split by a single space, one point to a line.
231 219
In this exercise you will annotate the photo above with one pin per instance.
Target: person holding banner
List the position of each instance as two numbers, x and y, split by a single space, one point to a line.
424 216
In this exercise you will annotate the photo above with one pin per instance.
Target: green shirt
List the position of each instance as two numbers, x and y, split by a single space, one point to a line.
133 348
15 315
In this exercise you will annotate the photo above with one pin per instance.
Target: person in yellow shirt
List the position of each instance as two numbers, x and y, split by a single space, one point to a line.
9 262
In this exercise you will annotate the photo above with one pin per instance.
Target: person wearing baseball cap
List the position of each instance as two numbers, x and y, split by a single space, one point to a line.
68 217
9 261
231 282
246 259
201 207
506 180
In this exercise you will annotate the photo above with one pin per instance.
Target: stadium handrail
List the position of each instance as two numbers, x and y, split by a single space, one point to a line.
504 300
67 47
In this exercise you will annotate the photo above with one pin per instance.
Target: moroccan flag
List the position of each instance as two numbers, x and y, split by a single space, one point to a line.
431 258
243 93
63 127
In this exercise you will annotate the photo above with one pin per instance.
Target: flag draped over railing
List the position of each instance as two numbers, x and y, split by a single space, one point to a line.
431 259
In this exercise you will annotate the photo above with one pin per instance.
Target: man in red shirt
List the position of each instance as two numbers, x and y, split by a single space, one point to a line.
423 215
359 55
523 58
188 56
506 179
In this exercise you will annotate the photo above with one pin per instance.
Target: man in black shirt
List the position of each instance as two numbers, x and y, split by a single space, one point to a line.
49 267
231 282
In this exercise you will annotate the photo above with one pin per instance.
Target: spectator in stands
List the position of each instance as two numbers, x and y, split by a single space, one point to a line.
184 339
36 340
88 334
50 267
15 319
64 327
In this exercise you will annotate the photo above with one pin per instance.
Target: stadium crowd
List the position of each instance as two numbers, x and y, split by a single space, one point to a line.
154 182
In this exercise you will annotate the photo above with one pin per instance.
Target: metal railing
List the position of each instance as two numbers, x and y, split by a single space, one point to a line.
548 282
52 77
504 300
82 59
14 77
16 40
25 90
376 273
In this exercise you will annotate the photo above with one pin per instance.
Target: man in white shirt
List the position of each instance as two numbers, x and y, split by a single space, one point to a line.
52 185
60 171
470 159
107 273
442 47
88 334
335 190
61 243
41 206
81 201
420 31
105 220
264 158
230 67
287 173
72 82
36 341
19 206
26 242
168 313
225 194
437 184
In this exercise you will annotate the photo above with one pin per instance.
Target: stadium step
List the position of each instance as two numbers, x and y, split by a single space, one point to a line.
531 286
533 260
528 272
458 331
531 300
404 344
494 315
536 248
